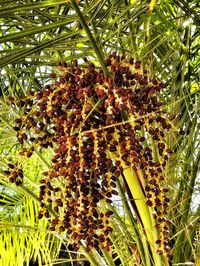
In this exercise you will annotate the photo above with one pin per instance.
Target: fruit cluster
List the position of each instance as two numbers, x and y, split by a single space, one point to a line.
15 173
97 125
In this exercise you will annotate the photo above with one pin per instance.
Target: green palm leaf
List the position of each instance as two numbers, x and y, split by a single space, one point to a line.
34 37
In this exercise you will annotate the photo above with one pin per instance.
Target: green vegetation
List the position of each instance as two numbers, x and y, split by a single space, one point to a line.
87 173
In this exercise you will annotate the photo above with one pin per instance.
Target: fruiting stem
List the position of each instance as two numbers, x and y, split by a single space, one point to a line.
145 215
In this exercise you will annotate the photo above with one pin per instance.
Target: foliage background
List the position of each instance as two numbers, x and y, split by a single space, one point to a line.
34 37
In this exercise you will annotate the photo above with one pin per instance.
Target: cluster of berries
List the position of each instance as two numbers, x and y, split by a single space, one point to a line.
97 125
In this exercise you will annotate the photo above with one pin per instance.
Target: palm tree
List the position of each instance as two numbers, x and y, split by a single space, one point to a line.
155 46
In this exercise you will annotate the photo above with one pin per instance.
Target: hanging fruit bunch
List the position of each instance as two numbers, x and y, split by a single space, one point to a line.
98 126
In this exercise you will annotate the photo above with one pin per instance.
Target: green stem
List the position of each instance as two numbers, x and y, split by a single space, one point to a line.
108 258
192 234
125 232
133 226
134 239
144 240
132 30
186 209
89 256
92 23
144 212
90 36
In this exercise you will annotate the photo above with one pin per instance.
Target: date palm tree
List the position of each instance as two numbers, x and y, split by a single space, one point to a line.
99 114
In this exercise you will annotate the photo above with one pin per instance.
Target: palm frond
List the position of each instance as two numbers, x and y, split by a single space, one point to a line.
35 37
